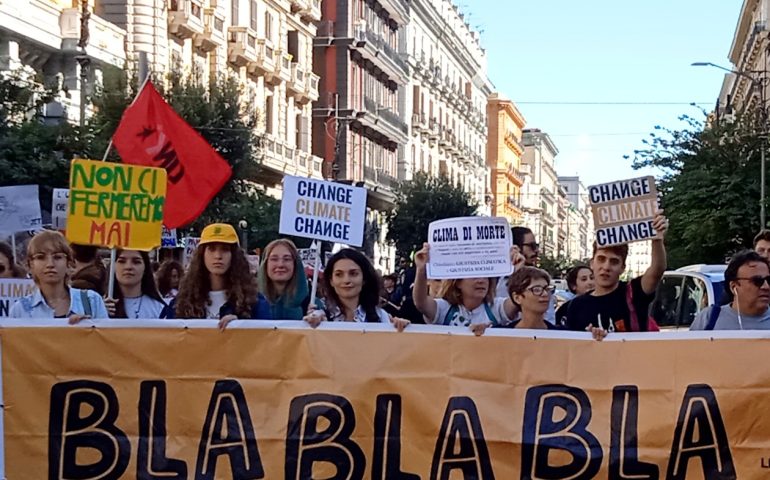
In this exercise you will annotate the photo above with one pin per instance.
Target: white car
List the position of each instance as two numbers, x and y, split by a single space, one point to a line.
684 292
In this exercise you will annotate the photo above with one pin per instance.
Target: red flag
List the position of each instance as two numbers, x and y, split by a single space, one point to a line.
151 133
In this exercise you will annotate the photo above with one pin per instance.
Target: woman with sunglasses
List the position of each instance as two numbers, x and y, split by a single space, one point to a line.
136 295
49 258
468 302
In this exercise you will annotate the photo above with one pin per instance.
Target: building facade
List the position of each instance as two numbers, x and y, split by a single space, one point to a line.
359 128
540 193
579 224
50 39
447 99
504 151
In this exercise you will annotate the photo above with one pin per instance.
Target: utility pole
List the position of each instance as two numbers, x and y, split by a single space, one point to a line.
763 139
83 61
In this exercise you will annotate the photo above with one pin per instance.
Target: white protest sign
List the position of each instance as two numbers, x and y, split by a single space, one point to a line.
11 289
253 263
190 244
469 247
323 210
59 208
168 238
307 255
19 209
623 211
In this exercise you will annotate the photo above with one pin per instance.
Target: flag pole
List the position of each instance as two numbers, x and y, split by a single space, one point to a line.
13 246
316 266
111 284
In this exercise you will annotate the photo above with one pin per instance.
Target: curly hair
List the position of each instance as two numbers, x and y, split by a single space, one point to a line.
369 298
148 285
193 297
164 275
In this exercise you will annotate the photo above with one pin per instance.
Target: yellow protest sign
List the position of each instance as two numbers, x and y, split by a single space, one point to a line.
116 205
295 403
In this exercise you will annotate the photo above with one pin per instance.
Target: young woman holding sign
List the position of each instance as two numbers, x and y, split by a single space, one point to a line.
136 295
49 258
218 284
282 281
468 302
353 292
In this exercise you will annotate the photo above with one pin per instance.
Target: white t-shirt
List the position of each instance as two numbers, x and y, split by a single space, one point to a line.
359 315
464 317
142 307
217 298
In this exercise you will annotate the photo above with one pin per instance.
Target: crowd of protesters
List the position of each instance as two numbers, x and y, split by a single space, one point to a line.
72 283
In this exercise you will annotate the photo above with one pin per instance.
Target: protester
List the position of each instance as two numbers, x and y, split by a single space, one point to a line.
390 297
580 280
282 281
218 284
530 288
352 290
468 302
169 276
746 297
90 273
762 243
8 268
50 259
616 305
136 295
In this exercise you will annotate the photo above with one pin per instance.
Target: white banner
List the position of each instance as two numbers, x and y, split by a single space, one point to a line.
20 209
469 247
59 208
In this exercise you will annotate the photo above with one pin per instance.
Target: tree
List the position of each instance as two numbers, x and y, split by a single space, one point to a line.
558 266
709 187
420 202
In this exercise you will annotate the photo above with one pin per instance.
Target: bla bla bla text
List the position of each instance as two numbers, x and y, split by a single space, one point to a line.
556 424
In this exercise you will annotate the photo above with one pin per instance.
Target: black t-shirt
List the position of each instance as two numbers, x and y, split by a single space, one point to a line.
610 309
561 313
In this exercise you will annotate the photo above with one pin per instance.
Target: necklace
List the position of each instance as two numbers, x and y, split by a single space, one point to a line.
138 305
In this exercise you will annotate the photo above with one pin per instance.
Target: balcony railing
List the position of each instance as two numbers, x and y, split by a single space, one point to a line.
381 45
213 30
242 45
394 119
379 177
185 18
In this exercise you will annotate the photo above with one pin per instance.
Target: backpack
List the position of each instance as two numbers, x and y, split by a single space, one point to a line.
652 325
713 317
454 309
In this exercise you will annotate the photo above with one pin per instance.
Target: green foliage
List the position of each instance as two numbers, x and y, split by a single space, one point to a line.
420 202
558 266
710 187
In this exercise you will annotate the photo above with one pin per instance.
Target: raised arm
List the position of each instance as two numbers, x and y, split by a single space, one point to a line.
424 303
658 264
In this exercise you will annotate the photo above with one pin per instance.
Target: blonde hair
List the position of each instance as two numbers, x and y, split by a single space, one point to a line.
267 288
49 241
450 291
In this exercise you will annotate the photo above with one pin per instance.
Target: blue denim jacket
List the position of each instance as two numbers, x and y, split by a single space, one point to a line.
34 306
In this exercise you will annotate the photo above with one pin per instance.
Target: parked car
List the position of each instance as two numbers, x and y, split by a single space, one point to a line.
684 292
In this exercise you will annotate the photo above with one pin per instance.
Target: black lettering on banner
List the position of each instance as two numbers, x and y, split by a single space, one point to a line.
151 462
228 412
306 444
169 161
700 432
541 434
69 433
624 457
461 444
386 461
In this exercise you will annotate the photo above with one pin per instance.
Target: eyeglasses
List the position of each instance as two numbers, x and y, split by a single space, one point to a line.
539 290
757 280
532 245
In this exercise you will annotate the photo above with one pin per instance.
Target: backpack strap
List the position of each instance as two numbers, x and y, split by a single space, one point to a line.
453 310
86 302
490 314
634 318
713 317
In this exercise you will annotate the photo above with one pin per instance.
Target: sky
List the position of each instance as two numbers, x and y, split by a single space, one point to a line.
562 51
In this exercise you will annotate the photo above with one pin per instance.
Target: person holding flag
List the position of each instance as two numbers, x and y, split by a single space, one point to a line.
218 284
282 280
136 295
50 260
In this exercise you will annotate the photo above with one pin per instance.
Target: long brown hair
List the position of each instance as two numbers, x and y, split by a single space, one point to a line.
163 275
148 285
450 291
268 287
193 297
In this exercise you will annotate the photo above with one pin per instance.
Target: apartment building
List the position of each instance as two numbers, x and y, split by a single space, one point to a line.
504 151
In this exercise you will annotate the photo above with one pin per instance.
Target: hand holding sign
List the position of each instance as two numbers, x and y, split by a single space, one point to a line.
660 224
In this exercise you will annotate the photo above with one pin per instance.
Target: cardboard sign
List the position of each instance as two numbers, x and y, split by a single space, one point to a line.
12 289
116 205
168 238
59 207
623 211
323 210
469 247
20 209
253 263
190 245
135 402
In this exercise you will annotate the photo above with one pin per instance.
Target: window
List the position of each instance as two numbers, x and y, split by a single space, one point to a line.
695 299
253 16
665 307
293 38
269 127
234 12
268 26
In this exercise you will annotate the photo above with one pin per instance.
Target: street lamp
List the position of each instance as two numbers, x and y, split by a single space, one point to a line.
759 84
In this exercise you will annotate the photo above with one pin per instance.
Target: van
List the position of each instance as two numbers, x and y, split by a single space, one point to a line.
683 293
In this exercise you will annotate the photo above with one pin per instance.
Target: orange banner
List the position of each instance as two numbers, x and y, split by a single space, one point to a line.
341 403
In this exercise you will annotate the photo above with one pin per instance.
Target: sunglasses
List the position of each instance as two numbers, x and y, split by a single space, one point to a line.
757 280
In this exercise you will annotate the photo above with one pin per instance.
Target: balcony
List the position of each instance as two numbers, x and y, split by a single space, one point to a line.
241 46
265 61
376 49
397 9
514 175
312 12
384 120
434 129
297 80
299 5
185 18
282 70
213 34
379 177
311 87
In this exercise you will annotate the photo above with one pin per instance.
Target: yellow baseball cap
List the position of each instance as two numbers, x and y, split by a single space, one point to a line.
219 233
